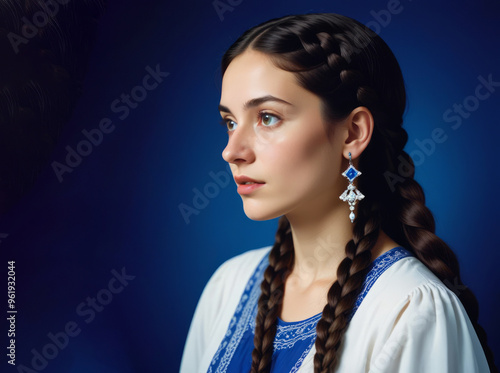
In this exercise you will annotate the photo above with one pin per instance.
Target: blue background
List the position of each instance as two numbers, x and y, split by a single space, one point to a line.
120 206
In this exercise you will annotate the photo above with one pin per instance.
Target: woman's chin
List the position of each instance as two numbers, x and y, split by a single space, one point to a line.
260 214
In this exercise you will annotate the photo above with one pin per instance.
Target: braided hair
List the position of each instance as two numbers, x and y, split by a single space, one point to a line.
348 65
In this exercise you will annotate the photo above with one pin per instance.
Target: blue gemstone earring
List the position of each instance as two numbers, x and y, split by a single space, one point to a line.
351 194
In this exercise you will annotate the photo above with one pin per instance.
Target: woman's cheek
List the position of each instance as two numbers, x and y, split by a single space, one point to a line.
280 156
266 136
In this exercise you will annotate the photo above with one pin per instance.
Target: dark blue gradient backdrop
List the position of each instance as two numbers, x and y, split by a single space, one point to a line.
117 214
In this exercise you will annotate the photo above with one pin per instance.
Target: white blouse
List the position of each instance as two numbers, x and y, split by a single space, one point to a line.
409 322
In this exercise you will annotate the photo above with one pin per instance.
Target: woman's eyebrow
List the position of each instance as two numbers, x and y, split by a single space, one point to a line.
255 102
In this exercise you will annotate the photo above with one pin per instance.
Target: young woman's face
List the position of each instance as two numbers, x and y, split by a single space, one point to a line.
277 137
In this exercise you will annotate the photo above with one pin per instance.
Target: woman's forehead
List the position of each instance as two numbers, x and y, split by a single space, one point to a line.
253 74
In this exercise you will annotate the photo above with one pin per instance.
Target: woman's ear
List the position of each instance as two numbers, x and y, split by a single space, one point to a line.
360 129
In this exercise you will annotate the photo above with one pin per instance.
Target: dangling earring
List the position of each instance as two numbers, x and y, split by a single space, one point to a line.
351 194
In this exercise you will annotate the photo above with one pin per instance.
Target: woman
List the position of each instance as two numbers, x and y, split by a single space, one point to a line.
355 281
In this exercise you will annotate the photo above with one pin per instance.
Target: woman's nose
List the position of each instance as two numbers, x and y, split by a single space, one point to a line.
239 148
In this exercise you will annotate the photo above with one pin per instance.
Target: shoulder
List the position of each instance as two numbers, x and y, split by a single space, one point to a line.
409 295
216 307
242 265
229 280
405 280
413 322
231 277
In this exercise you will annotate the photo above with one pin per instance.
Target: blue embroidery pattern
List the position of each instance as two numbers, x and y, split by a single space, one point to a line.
287 334
241 320
306 351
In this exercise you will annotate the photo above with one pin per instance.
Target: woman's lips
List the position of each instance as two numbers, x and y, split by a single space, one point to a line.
249 188
247 185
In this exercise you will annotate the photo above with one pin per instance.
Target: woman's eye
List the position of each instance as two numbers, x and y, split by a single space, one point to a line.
269 120
230 124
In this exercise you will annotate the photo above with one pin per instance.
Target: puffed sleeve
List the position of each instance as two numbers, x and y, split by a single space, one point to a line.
431 333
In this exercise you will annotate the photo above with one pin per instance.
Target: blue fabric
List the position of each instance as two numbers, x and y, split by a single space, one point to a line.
293 340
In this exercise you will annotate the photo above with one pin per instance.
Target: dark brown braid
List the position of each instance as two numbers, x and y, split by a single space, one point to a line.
271 298
347 65
419 229
342 295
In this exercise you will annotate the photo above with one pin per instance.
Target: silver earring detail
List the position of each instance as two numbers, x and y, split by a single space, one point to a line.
351 194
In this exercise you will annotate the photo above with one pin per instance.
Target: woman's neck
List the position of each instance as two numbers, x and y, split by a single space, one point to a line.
319 240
